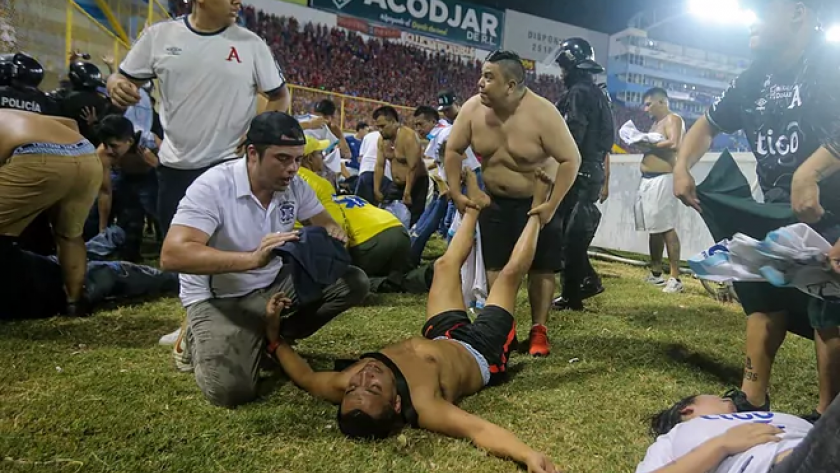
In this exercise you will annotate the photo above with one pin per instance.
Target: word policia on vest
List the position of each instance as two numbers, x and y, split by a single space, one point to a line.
456 21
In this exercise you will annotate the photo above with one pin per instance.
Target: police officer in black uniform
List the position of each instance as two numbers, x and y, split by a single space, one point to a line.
586 108
20 77
84 99
788 104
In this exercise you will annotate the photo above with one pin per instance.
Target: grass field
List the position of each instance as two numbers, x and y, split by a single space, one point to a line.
99 395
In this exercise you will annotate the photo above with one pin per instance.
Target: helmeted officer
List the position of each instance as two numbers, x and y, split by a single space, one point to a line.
20 77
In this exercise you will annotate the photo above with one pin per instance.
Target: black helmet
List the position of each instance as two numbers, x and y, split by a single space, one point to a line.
20 69
577 53
85 75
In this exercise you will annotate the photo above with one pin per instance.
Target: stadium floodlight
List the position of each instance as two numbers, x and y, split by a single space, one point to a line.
722 11
833 34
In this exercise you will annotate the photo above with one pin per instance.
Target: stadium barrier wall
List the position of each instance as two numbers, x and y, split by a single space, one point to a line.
351 110
618 229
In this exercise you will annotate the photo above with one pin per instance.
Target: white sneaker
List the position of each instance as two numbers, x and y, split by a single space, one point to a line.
655 280
674 286
182 354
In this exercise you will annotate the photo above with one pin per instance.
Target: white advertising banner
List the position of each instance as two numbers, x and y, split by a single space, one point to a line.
431 44
535 38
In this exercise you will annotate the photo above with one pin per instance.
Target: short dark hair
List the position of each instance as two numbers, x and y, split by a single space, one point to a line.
388 112
655 92
113 127
511 65
663 422
325 107
361 125
427 112
358 424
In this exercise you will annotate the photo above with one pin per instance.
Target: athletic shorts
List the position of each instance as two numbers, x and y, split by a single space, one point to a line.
765 298
656 208
501 225
39 177
491 335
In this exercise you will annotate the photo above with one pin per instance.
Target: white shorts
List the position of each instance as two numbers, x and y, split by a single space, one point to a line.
656 207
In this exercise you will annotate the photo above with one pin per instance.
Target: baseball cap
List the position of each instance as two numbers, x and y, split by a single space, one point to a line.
446 100
314 144
275 128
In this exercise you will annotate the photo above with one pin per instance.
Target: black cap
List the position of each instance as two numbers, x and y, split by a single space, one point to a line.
446 100
275 128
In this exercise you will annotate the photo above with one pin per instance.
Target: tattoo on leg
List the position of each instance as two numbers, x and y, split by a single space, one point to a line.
750 376
749 363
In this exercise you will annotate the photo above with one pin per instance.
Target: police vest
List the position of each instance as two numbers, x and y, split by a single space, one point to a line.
17 99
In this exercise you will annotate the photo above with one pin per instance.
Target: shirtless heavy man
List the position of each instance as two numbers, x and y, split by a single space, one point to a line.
408 171
656 207
46 165
418 381
516 132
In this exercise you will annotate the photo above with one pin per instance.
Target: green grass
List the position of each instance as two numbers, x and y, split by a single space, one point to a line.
99 394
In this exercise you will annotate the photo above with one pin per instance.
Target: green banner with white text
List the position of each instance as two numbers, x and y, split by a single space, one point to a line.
451 20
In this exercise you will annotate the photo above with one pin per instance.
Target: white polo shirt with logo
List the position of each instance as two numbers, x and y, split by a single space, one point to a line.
220 203
208 87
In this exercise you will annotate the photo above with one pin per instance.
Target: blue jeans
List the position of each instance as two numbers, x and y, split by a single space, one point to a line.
426 226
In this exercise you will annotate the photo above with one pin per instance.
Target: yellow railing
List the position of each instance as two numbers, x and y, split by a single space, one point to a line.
351 109
51 29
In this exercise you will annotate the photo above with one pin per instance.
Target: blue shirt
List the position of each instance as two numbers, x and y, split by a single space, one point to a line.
355 145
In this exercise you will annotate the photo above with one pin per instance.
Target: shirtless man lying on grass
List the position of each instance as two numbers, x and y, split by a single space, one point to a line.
418 381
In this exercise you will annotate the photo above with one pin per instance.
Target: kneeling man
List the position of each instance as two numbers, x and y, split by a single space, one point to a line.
222 241
417 382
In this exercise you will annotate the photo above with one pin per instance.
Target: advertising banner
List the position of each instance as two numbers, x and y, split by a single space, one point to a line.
430 44
451 20
535 38
362 26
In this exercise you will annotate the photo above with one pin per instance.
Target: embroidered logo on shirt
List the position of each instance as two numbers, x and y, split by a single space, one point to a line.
286 211
174 51
233 54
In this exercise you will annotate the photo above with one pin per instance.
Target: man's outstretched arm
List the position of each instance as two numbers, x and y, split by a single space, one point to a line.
447 419
327 385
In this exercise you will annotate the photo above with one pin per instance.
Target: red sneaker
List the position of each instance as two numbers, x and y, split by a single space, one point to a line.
539 345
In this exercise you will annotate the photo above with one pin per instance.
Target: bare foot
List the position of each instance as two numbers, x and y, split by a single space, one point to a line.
474 191
542 189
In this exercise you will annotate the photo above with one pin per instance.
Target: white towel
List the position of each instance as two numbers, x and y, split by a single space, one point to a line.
795 256
631 135
473 274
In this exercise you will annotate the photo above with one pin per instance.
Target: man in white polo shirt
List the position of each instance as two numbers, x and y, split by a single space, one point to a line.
222 241
210 72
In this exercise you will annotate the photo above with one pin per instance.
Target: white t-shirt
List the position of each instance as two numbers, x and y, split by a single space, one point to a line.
689 435
439 134
208 87
368 151
220 203
332 159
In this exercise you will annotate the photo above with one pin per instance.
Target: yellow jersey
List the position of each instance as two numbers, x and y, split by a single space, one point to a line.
360 219
325 192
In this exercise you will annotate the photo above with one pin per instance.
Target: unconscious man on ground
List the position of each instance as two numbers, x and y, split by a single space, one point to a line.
418 381
706 434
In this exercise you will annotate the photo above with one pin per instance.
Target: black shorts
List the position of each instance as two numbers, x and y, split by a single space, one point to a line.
502 223
804 312
492 334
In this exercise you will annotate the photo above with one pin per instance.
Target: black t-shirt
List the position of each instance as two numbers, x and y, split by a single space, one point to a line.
787 117
587 111
73 103
27 99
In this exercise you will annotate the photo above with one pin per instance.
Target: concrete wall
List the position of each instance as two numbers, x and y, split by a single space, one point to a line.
618 231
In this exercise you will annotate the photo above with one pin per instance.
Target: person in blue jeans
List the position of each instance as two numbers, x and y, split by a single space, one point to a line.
129 190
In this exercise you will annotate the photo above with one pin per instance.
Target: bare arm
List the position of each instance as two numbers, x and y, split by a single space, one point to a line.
185 250
279 100
697 142
105 191
327 385
673 134
412 152
379 170
447 419
459 140
558 143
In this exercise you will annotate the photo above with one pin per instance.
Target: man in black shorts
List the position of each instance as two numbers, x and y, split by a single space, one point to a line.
418 381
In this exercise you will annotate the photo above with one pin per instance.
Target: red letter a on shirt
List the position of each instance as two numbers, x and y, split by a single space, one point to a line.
233 55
